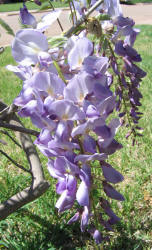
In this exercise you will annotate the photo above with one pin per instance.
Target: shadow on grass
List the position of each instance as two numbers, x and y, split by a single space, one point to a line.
127 239
64 237
55 236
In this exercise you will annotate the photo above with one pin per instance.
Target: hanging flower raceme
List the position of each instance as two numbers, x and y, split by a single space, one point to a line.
67 94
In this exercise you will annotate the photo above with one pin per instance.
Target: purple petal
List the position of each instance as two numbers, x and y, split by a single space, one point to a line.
89 144
97 236
85 158
26 17
82 194
66 110
84 87
65 201
48 82
82 48
61 185
23 72
85 218
110 174
95 65
26 46
112 193
48 19
74 218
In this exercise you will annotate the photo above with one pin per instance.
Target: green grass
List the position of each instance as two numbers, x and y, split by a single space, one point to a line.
38 226
141 1
30 6
130 2
58 4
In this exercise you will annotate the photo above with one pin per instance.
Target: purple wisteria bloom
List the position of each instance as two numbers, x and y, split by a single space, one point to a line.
95 65
84 87
82 194
66 110
48 19
26 46
123 49
47 82
125 28
65 172
26 17
23 72
80 7
83 47
97 236
111 192
110 174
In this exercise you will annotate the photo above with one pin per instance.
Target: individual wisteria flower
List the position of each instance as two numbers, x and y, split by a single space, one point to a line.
97 236
125 28
48 19
26 17
82 194
80 7
82 48
23 72
111 7
26 46
71 92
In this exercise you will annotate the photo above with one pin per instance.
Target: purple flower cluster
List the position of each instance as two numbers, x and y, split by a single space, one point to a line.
66 93
130 75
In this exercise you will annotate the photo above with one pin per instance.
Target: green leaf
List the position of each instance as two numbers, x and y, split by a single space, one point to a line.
59 72
57 41
3 244
7 27
103 17
45 6
104 44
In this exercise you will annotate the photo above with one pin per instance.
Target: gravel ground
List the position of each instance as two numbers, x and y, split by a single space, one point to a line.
141 13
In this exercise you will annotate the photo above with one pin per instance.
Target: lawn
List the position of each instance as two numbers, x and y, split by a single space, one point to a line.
135 1
30 6
38 226
56 4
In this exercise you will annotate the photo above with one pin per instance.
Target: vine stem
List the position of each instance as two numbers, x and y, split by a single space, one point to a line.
72 17
74 11
57 18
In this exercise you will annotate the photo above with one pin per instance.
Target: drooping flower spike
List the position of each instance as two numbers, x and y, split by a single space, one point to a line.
70 91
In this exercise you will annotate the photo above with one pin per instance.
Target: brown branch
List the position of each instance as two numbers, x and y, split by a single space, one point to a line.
14 162
6 133
20 199
8 111
18 128
38 186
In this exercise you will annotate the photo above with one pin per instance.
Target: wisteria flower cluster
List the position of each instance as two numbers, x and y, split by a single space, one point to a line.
67 94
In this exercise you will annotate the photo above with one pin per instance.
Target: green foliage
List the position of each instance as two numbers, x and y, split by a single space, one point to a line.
57 41
45 6
136 1
38 226
6 27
